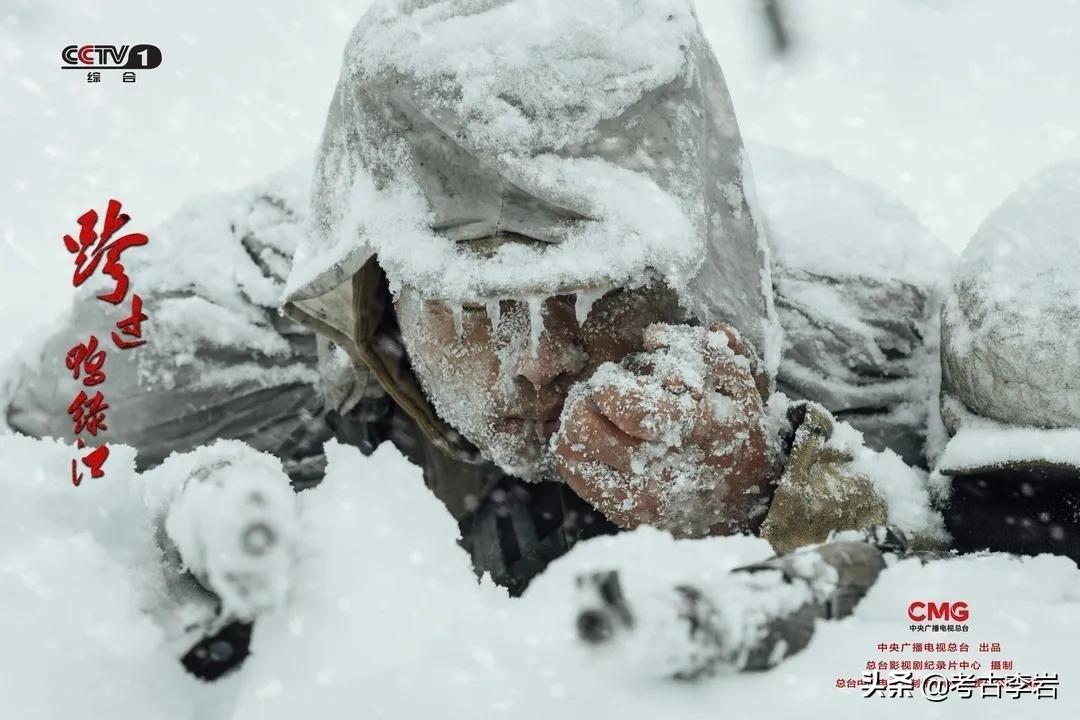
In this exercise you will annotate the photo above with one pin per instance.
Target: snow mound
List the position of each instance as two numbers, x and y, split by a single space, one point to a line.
989 445
1011 345
78 572
386 618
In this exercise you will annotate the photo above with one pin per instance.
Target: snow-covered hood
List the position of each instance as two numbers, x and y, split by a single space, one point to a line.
603 130
1011 332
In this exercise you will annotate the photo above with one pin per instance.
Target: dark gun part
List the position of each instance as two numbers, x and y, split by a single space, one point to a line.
835 575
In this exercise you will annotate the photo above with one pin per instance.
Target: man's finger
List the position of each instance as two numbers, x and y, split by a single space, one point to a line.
655 337
720 358
591 437
646 415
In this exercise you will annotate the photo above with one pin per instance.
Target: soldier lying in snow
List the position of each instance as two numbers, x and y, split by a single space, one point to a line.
470 273
571 310
557 301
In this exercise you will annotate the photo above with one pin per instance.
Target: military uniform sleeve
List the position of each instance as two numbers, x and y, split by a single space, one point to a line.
219 361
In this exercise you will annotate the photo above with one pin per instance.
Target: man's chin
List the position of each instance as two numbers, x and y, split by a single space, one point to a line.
529 431
522 454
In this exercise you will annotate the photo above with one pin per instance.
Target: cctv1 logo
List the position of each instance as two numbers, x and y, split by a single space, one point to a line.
921 611
111 57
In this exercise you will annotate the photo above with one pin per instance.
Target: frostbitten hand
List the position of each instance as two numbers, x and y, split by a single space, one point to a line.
673 437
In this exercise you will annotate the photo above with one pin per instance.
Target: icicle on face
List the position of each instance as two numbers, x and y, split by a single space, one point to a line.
536 325
583 303
459 322
494 314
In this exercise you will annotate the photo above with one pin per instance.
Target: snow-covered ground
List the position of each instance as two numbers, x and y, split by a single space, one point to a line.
384 618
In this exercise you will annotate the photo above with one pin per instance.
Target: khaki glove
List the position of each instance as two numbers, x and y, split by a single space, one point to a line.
818 493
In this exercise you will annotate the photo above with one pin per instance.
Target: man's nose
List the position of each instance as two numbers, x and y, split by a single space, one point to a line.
556 354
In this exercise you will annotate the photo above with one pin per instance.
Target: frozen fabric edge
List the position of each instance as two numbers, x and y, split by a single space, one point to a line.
990 445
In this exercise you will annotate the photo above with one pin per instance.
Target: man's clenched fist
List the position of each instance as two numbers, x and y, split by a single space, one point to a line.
673 437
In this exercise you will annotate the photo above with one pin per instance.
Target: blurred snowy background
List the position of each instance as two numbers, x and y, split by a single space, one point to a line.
947 104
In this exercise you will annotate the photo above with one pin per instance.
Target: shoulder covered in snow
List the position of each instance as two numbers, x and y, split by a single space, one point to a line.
209 280
858 283
1010 338
231 248
1035 231
827 223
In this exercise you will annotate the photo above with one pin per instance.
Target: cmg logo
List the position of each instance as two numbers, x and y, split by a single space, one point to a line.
922 611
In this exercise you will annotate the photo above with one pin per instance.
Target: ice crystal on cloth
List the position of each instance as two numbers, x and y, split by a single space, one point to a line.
1011 325
601 131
